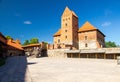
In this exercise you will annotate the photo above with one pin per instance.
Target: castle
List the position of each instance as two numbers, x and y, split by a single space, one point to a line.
70 36
70 41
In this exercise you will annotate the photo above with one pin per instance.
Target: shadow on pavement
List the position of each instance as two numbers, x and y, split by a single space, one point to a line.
15 70
30 63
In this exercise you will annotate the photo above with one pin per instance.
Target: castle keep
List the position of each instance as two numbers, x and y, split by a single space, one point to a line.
84 42
70 36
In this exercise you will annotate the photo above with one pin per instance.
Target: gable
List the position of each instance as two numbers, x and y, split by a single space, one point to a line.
87 27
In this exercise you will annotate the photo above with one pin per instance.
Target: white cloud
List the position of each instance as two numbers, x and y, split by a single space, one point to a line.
106 24
27 22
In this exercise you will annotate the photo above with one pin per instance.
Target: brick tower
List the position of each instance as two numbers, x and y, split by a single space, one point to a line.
68 33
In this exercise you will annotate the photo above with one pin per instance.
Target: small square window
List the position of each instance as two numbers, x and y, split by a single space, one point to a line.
66 37
65 24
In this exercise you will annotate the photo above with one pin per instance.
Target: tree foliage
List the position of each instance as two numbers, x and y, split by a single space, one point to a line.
45 44
9 37
31 41
110 44
26 42
34 40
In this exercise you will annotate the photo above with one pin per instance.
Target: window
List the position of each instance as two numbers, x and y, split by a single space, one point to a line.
58 40
66 37
69 18
86 45
85 37
65 24
65 30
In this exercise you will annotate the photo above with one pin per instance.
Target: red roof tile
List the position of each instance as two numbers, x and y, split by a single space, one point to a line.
58 33
87 27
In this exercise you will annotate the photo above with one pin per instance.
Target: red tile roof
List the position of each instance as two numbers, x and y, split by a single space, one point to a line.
87 27
58 33
14 44
31 45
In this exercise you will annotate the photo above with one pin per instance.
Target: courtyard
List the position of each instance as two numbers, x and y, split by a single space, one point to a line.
73 70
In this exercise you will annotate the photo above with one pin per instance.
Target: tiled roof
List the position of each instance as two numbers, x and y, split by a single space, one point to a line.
87 27
31 45
67 10
14 44
58 33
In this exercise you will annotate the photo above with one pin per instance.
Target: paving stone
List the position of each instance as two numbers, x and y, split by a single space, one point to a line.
73 70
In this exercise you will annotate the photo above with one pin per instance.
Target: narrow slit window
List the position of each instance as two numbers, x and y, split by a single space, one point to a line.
86 45
86 37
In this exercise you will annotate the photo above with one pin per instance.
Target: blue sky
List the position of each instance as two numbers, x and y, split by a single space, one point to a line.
25 19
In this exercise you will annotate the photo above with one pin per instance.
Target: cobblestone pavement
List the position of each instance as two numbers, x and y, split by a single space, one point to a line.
73 70
15 70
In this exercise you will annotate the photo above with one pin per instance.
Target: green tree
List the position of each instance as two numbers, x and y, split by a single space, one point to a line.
9 37
110 44
26 42
34 40
45 46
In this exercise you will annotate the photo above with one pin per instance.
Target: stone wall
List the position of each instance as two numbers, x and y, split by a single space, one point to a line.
57 53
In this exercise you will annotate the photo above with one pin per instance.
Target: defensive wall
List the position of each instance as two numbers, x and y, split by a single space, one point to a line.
100 53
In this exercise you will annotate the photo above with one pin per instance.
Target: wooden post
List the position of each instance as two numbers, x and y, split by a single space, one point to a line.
87 55
96 56
104 56
114 56
71 55
79 55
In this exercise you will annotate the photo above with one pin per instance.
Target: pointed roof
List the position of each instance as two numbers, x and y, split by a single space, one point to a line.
87 27
67 10
58 33
74 13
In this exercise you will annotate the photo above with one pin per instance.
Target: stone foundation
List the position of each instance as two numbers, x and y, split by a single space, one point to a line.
57 53
101 53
